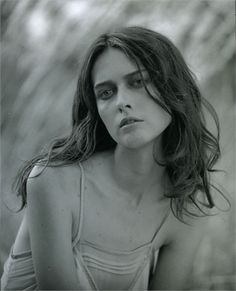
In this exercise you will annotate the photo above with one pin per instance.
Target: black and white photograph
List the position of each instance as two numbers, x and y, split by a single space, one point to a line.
118 141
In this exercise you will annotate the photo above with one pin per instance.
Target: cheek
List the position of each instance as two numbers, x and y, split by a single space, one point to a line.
105 116
161 118
166 117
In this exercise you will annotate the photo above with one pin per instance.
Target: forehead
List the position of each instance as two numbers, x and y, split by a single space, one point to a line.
112 64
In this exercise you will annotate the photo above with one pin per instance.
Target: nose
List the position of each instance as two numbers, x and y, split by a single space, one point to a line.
123 100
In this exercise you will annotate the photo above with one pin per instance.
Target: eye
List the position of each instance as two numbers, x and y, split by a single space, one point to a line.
105 94
137 83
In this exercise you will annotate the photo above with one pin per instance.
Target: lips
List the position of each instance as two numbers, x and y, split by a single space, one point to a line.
129 120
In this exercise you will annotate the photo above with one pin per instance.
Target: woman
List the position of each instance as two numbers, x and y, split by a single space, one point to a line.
120 203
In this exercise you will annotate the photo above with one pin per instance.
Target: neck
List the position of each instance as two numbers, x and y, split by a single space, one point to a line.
136 170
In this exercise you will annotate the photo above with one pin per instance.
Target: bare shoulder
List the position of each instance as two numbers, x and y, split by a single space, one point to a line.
177 255
61 174
192 228
61 181
53 192
51 195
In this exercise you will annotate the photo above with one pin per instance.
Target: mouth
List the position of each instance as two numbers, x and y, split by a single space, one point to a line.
129 120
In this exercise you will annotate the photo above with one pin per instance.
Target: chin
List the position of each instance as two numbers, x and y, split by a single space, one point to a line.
134 142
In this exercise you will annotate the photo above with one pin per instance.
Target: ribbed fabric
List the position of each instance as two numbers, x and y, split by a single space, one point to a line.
98 268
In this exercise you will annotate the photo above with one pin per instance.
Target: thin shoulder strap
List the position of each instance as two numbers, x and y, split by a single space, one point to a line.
155 236
81 195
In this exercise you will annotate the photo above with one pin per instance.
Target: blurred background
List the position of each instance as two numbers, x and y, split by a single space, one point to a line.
42 42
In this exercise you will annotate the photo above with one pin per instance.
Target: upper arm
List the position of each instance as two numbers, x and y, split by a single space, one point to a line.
49 218
176 259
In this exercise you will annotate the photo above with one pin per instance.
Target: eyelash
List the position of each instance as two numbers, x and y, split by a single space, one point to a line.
134 83
141 82
101 94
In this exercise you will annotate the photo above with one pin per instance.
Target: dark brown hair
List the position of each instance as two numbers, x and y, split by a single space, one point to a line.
190 149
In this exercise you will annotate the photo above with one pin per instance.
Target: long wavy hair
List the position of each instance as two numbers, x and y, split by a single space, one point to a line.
190 150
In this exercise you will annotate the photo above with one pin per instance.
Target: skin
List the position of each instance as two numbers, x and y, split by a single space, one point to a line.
120 93
128 190
134 168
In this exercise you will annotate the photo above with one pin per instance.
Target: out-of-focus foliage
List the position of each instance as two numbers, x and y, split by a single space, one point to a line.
42 45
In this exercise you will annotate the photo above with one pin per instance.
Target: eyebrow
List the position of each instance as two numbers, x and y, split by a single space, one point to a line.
125 77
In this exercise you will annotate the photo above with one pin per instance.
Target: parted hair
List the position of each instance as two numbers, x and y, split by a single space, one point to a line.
190 150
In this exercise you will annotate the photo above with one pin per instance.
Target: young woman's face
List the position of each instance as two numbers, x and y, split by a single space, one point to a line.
130 115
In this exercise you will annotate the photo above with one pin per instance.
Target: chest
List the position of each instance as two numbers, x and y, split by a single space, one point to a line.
111 218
